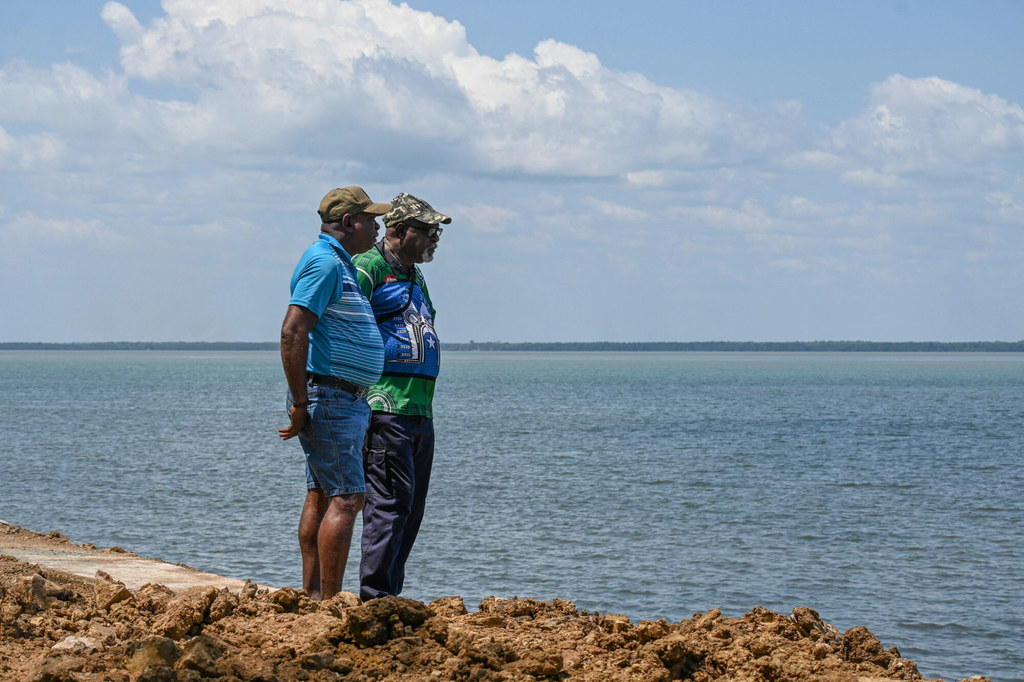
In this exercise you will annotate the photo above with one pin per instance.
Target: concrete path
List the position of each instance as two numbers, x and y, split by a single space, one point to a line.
64 555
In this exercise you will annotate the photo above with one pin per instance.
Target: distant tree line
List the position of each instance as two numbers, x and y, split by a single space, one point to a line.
748 346
145 345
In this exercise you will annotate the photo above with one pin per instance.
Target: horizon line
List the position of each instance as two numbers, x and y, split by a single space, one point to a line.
549 345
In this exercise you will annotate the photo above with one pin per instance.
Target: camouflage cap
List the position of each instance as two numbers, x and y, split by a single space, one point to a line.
407 207
351 200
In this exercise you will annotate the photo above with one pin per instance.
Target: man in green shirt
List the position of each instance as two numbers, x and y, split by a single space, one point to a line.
399 448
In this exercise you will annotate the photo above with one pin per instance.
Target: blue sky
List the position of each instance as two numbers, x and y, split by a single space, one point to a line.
643 171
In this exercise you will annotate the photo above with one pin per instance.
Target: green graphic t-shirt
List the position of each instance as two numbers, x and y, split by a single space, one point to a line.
404 314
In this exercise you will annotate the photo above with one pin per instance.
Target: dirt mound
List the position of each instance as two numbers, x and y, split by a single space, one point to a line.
55 627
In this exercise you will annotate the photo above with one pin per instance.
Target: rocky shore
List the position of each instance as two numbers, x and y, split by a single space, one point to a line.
56 626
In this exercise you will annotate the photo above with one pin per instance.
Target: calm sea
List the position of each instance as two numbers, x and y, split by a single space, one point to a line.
880 489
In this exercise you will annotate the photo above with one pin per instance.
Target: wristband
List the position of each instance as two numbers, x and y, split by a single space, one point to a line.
302 405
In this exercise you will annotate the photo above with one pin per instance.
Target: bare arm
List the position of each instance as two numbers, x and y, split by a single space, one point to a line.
298 322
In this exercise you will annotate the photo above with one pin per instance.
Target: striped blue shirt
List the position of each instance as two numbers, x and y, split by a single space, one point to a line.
345 342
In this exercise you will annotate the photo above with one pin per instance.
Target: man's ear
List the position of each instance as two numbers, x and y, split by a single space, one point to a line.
346 222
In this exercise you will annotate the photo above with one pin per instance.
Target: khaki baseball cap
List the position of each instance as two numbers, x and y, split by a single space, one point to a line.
351 200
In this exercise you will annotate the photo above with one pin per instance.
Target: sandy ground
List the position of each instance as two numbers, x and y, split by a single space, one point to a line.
59 623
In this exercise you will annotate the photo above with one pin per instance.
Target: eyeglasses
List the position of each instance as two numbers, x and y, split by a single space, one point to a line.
431 230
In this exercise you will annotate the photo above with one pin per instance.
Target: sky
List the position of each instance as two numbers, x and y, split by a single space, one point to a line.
673 170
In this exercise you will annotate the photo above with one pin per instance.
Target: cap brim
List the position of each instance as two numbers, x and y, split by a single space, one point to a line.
432 218
377 209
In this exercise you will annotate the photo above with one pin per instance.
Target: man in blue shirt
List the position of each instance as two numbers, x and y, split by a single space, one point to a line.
332 353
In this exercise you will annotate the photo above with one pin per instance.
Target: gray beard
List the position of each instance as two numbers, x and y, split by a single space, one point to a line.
426 256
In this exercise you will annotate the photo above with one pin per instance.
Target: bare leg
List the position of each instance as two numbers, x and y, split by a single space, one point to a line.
334 538
309 523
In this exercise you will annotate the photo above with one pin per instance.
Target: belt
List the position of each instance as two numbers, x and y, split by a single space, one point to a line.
334 382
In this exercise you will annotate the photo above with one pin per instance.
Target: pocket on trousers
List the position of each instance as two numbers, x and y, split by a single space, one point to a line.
375 466
375 459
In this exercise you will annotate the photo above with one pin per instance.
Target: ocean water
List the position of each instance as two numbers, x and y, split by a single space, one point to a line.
883 490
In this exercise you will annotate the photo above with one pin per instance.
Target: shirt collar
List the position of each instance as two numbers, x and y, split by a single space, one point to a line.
331 241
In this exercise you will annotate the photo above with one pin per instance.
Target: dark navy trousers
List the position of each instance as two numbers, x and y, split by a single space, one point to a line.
397 460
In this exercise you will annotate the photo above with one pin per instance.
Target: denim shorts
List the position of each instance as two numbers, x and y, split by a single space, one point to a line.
333 440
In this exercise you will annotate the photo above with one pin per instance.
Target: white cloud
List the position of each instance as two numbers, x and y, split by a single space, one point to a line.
930 125
121 20
804 207
790 265
486 218
28 152
373 83
647 178
364 75
546 202
64 97
814 159
869 177
749 216
610 209
7 146
1008 208
350 81
27 227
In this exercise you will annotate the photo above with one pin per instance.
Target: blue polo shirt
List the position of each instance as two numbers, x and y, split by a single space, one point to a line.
345 341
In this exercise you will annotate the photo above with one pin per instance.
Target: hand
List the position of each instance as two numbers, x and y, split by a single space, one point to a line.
299 419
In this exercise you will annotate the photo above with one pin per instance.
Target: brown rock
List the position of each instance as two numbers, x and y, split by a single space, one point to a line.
319 660
707 620
342 665
379 620
249 589
477 649
436 629
56 591
200 654
341 601
721 631
860 646
287 597
153 598
647 630
615 623
223 606
33 591
78 643
517 608
539 663
488 620
678 654
56 669
102 632
9 613
185 612
810 624
448 607
109 591
150 655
